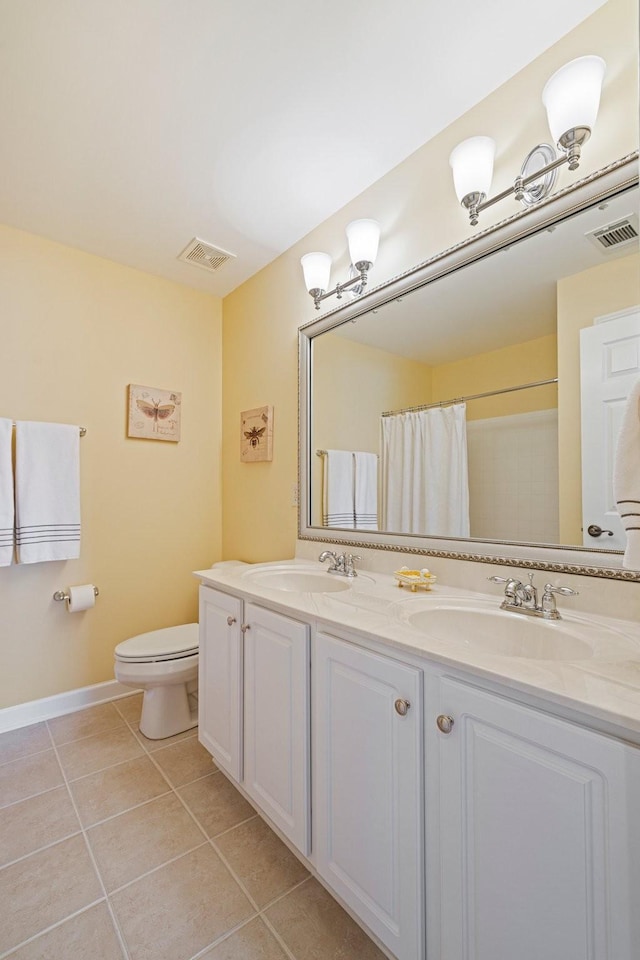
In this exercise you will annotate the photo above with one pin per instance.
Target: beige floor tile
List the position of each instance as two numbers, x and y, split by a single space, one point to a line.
182 908
45 888
153 745
252 942
184 761
17 744
135 842
261 860
35 823
315 927
130 707
24 778
95 753
216 803
116 789
89 936
84 723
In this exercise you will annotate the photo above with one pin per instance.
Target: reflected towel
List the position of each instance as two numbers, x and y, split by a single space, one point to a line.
626 478
47 491
6 494
337 489
366 491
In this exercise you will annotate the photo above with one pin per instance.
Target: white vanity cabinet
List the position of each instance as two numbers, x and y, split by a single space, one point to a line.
368 788
536 820
254 705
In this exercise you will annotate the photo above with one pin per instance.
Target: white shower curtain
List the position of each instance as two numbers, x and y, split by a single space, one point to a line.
425 486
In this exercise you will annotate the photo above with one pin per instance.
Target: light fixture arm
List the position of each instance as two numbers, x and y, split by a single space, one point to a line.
571 144
360 279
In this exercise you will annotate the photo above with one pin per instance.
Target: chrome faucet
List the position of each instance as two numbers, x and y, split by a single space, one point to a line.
523 597
342 564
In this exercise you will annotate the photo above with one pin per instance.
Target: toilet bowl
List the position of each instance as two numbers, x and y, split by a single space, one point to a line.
164 663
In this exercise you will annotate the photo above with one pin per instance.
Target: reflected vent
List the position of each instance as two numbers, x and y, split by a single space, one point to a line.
613 236
205 255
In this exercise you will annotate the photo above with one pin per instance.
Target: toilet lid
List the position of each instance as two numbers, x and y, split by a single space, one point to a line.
166 644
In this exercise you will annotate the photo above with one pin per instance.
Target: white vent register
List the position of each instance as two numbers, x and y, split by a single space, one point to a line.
612 236
205 255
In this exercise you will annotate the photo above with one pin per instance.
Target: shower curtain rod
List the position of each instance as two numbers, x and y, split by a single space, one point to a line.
473 396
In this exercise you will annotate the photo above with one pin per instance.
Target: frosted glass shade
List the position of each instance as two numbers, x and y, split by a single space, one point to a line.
472 165
317 270
363 237
572 95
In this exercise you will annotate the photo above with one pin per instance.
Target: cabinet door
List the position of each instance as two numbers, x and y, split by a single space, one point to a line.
368 836
220 679
277 765
538 835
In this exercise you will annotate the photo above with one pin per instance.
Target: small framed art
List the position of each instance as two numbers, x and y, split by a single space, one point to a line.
154 414
256 434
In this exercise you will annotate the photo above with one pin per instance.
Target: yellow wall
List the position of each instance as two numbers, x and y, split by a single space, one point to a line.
508 367
593 293
76 330
417 208
352 385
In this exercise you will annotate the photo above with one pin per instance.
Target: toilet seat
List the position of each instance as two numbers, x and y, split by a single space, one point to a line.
170 643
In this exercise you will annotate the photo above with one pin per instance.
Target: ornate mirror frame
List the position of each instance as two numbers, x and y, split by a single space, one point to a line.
589 561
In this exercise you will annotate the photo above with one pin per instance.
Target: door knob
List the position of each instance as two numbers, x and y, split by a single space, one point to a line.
402 707
444 723
595 531
231 621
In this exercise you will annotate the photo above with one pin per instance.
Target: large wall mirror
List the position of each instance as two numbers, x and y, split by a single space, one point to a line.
471 406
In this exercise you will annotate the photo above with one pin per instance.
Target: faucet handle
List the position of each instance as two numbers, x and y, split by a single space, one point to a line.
563 591
499 579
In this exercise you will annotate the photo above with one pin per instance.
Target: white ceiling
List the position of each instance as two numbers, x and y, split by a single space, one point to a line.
130 126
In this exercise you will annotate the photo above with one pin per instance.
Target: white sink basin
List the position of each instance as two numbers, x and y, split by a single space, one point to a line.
488 629
295 580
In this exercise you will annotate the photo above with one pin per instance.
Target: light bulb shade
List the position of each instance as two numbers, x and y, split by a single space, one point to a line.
472 165
317 270
363 237
572 95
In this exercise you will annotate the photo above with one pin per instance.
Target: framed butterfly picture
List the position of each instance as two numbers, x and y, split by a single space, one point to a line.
256 434
154 414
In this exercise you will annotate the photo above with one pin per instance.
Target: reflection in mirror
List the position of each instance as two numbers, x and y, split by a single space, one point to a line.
520 364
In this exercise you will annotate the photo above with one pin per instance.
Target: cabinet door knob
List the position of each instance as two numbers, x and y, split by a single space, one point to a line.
245 627
231 621
402 707
444 723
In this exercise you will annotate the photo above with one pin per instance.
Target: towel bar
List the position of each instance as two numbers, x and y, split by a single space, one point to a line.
83 430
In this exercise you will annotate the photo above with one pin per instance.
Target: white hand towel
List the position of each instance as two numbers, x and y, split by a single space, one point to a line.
366 487
626 478
337 489
47 491
6 494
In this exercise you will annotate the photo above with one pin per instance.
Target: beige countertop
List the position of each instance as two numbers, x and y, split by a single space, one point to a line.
604 688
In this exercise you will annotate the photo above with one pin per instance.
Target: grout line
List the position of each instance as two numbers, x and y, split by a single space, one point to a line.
274 933
45 846
41 933
32 796
116 925
160 866
120 813
223 937
240 823
26 756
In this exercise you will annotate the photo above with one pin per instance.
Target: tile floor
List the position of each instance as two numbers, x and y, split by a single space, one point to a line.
117 847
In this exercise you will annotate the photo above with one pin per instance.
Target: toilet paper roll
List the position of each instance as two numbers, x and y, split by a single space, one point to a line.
82 597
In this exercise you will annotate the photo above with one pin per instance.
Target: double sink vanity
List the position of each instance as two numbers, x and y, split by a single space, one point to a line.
464 778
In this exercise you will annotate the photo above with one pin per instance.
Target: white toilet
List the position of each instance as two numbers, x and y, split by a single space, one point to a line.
164 663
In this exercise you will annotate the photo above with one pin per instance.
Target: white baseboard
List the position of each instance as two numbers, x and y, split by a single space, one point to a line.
24 714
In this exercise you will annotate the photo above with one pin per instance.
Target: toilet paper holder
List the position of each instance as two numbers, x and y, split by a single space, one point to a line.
61 595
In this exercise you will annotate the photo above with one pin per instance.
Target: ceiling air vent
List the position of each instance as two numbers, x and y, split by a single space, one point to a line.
205 255
613 236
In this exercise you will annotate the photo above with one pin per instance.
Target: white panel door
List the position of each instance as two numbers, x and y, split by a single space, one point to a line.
539 843
277 720
220 679
368 789
609 367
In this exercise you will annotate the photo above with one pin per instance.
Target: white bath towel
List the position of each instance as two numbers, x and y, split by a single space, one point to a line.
47 491
6 494
626 478
337 489
366 490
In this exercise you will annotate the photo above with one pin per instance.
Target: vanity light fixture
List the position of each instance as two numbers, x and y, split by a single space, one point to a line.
571 98
363 237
